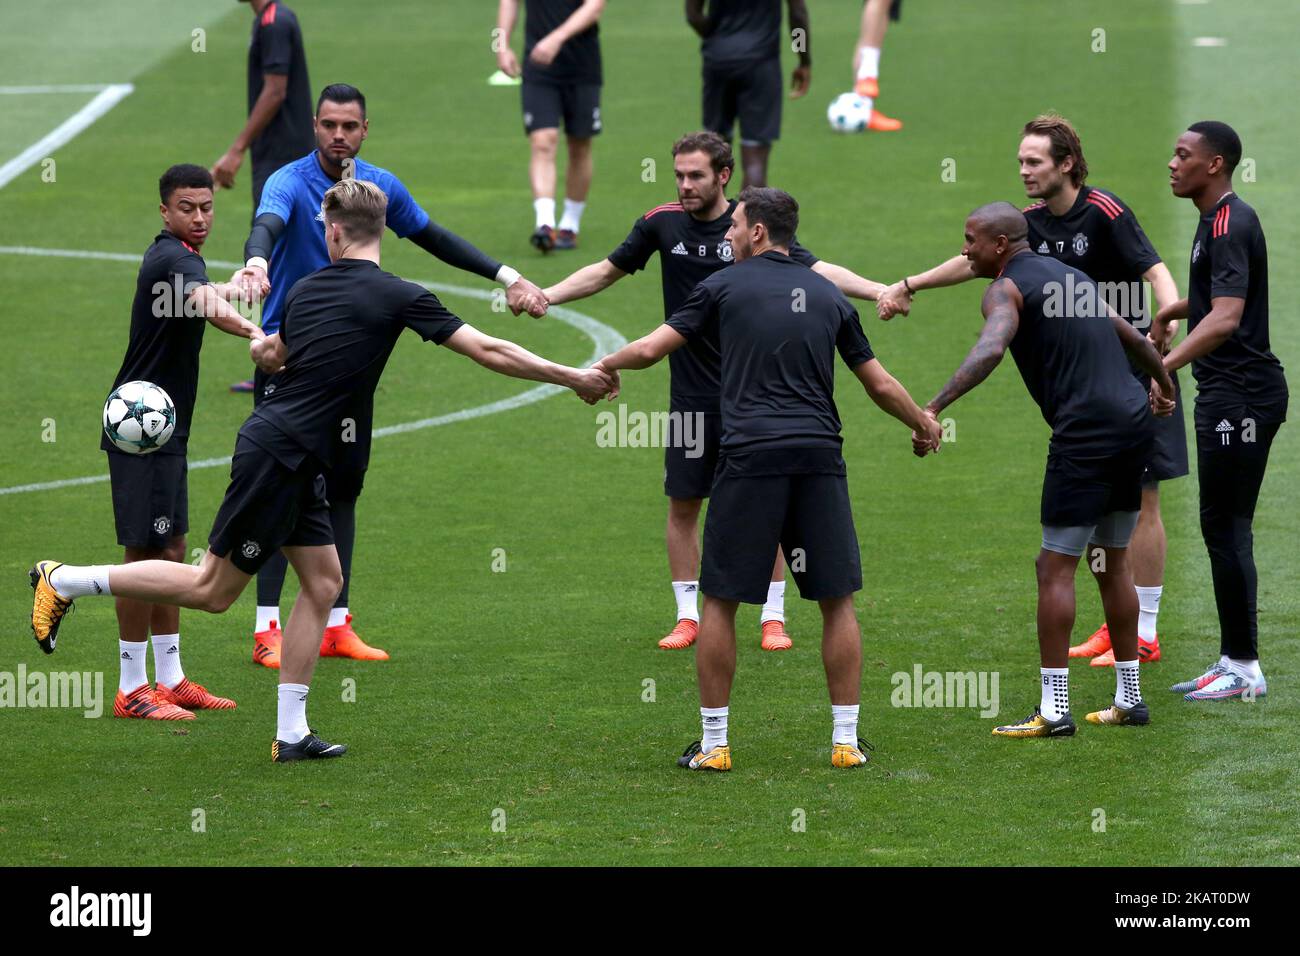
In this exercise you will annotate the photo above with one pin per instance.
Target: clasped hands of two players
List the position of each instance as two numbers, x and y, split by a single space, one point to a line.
932 439
521 295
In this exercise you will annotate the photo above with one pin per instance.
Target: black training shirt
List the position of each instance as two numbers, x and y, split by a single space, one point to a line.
164 342
276 48
1072 361
690 250
742 32
779 325
340 326
579 58
1242 377
1098 235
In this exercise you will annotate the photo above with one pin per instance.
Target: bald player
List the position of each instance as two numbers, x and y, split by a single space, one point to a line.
1070 351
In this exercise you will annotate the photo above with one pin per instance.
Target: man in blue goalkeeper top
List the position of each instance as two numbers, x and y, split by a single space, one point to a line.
286 244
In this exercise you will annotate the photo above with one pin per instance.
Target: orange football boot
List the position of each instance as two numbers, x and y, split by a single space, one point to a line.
868 88
147 704
342 641
1098 643
882 123
193 696
1148 653
681 636
775 638
266 646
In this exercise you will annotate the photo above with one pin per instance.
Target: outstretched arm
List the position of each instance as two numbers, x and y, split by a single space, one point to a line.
210 303
1143 352
898 299
645 351
507 358
586 281
459 253
892 397
1001 307
848 281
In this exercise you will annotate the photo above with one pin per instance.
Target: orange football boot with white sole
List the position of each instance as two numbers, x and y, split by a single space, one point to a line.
774 637
266 646
342 641
146 703
681 636
193 696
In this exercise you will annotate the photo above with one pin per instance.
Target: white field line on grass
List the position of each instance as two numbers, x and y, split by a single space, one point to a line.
603 338
106 98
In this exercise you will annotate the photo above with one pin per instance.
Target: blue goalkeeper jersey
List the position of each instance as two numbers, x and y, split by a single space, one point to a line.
294 193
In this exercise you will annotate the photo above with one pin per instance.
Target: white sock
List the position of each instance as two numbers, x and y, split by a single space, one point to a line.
1247 669
1148 609
291 713
338 617
869 64
1055 702
74 582
774 609
845 717
572 214
715 728
167 659
133 673
687 606
266 615
544 209
1128 693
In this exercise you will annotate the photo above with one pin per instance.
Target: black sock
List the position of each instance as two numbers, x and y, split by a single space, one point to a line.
343 516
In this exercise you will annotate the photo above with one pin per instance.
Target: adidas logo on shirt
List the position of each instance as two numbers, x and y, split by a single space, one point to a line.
1042 249
679 250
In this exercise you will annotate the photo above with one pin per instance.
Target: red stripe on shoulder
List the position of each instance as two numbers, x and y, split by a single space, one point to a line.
1031 206
268 15
1110 213
1108 199
666 207
1221 222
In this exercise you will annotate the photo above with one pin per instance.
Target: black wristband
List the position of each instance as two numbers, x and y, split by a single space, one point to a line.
908 286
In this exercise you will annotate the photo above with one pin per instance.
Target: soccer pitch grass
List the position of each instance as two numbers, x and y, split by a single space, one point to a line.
523 692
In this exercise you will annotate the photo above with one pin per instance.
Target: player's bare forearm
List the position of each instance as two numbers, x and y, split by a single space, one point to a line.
274 90
645 351
584 18
849 282
952 272
1211 332
1142 351
269 353
1002 319
890 397
1165 293
507 14
586 281
801 26
209 302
